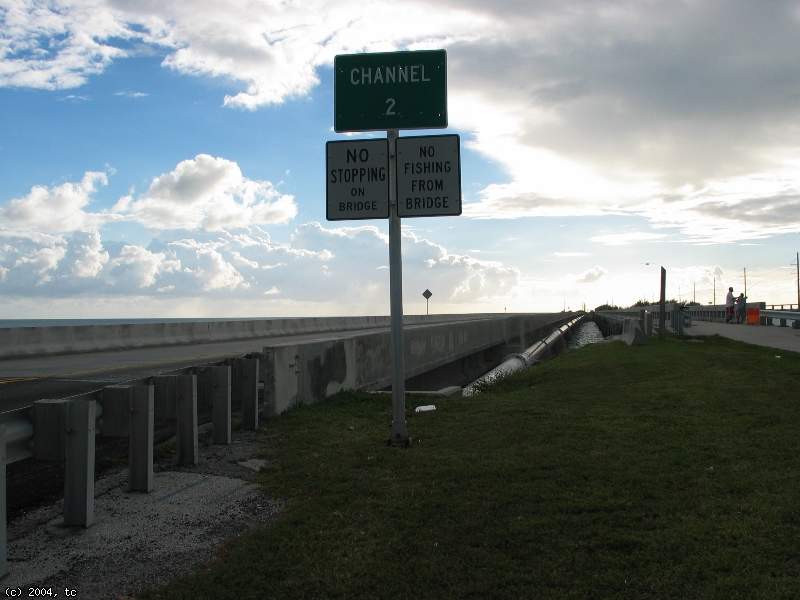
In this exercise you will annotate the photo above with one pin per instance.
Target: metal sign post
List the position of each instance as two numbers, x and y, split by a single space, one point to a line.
399 428
391 91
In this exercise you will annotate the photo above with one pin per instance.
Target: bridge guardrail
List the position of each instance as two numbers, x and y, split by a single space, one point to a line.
65 428
784 318
67 339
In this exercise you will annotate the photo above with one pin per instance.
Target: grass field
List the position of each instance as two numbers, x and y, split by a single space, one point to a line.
670 470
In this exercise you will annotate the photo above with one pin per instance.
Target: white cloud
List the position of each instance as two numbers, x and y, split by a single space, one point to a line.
570 254
625 239
136 268
75 98
592 275
86 255
208 193
591 108
130 94
55 209
56 45
328 267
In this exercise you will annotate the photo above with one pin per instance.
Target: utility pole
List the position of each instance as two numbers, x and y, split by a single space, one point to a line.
797 264
662 315
715 290
745 282
694 292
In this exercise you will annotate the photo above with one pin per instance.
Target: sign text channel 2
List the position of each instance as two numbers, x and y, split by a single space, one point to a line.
428 176
357 179
390 90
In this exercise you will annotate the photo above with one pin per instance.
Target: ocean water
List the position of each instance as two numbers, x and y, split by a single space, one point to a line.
587 333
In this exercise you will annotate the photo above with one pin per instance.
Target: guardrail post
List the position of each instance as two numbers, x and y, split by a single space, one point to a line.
186 400
164 397
214 386
140 442
3 505
245 388
116 403
79 463
49 429
266 366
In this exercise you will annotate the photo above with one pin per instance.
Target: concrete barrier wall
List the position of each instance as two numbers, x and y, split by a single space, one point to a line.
42 341
310 372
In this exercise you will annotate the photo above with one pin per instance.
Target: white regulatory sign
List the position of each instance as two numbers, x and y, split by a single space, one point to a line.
357 179
428 176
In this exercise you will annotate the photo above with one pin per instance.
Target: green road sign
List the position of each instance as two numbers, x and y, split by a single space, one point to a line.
390 90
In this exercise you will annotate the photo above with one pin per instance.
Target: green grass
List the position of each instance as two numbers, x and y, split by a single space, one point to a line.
664 471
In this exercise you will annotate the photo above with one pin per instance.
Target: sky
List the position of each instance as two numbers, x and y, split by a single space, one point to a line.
167 159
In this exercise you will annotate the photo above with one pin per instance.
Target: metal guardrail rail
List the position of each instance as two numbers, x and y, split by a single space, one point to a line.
782 316
712 313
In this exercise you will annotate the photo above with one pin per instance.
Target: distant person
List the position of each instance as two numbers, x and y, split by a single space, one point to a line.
741 309
729 306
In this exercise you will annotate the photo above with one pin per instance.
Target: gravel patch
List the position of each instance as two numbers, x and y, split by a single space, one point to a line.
140 540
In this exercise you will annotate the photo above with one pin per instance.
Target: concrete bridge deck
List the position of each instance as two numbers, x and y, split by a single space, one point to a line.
783 338
28 376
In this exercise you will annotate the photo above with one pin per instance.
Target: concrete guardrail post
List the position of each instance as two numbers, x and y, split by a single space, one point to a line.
79 462
214 386
245 389
140 442
186 407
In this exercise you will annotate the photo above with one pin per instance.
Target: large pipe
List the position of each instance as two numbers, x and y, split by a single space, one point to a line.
523 360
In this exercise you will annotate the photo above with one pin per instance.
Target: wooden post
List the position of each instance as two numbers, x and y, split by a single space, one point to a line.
164 397
266 367
214 385
79 462
186 407
116 403
49 429
245 386
140 442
